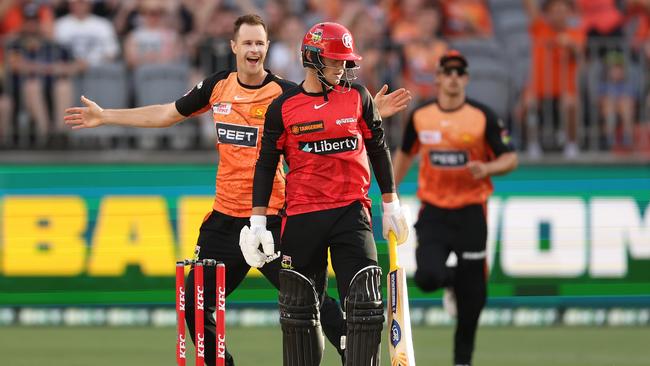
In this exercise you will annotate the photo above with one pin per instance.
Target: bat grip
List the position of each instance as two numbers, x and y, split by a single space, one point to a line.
392 251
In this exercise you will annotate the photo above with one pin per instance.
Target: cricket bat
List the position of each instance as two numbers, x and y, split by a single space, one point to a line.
400 342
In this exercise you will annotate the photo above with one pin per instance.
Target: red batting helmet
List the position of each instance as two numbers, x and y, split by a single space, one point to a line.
331 40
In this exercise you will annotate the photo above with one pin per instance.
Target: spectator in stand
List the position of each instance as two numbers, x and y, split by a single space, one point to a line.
617 96
382 65
40 72
403 20
213 54
12 16
556 50
380 62
5 110
153 41
422 54
284 55
90 38
639 12
466 18
321 11
273 12
603 23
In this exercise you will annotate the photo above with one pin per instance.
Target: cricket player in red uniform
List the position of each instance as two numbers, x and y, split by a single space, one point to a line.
328 130
238 101
461 144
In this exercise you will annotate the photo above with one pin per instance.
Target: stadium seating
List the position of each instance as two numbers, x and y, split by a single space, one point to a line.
100 83
160 84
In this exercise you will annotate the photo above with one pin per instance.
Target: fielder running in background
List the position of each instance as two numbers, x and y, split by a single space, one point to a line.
238 101
328 129
461 144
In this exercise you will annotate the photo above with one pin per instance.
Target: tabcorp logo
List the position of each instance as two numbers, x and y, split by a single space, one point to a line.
181 298
199 297
181 346
395 333
200 345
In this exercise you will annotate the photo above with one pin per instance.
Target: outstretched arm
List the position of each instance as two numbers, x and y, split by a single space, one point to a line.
390 104
92 115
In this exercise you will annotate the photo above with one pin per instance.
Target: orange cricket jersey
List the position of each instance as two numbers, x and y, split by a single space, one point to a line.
238 112
446 141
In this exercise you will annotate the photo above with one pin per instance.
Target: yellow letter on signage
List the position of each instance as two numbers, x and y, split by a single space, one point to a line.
133 230
191 213
43 235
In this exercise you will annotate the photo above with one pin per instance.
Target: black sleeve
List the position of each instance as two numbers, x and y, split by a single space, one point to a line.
378 151
410 135
285 85
496 134
267 162
198 99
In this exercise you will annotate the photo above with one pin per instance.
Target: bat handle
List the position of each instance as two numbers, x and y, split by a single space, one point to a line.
392 251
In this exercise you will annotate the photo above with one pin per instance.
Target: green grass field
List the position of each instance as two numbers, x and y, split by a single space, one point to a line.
20 346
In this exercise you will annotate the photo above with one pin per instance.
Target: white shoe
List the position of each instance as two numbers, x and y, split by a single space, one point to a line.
571 150
449 302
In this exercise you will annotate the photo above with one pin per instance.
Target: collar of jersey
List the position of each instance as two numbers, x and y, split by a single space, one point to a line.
319 94
269 77
452 109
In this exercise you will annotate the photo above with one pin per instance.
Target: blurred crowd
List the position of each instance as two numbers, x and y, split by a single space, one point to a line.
566 75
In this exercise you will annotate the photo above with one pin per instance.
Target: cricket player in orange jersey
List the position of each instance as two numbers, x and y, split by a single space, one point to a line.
461 144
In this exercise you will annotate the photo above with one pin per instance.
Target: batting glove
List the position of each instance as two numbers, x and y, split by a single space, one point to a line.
249 245
258 227
394 219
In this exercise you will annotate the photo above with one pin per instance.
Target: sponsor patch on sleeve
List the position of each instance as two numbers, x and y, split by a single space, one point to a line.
222 108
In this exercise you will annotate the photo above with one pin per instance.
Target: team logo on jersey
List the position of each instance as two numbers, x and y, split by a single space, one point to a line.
329 146
448 159
307 127
199 85
347 40
236 135
430 137
467 138
222 108
258 111
343 121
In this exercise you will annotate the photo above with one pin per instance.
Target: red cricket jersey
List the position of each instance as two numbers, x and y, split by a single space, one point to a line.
326 143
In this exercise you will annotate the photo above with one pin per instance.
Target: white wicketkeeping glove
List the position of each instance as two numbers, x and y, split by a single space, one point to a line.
249 245
394 219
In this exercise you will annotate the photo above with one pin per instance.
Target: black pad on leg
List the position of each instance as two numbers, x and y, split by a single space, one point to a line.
302 337
365 318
